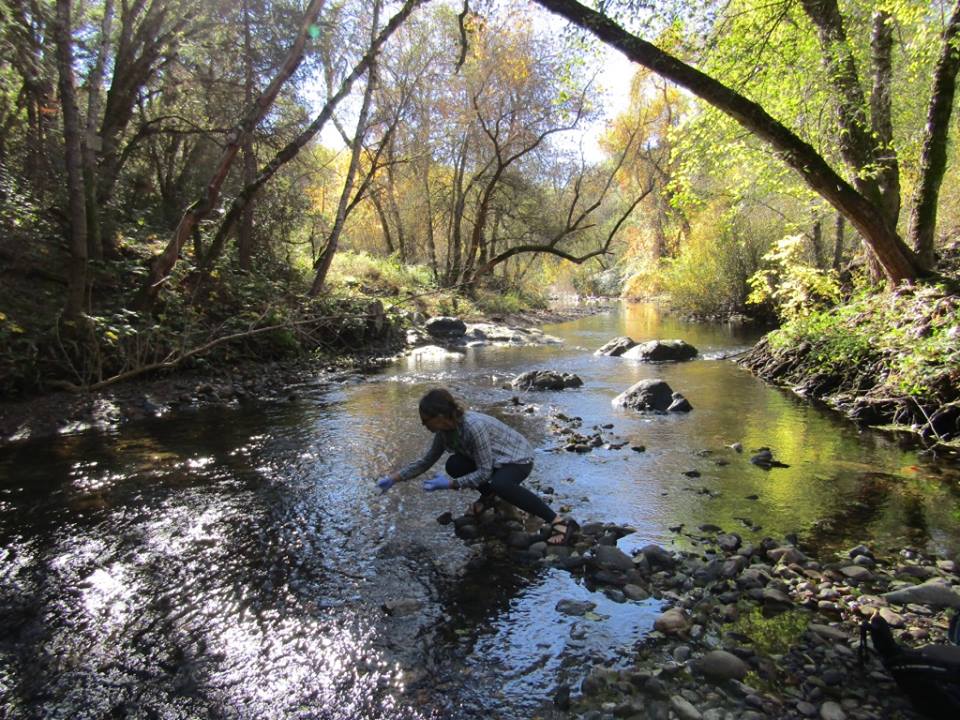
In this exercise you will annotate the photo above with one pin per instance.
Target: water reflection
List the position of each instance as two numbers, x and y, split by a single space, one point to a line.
238 563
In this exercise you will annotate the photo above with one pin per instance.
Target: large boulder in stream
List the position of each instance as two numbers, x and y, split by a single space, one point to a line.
446 327
652 395
617 347
661 351
545 380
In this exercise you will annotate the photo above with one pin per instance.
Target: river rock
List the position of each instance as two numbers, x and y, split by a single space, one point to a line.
616 347
786 554
679 403
403 606
613 558
661 351
433 353
545 380
684 708
672 622
658 557
829 631
652 394
446 327
635 592
729 542
856 574
933 592
722 665
831 710
575 607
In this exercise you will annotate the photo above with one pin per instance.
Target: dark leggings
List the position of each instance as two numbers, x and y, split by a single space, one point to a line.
505 483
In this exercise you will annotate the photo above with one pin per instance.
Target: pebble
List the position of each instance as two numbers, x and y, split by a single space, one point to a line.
683 708
832 711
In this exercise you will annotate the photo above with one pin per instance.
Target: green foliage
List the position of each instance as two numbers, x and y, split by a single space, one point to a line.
910 336
795 287
772 635
491 302
366 273
708 276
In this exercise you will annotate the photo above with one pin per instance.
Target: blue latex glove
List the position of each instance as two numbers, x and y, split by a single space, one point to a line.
438 482
385 483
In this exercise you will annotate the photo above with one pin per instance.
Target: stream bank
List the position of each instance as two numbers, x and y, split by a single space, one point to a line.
887 360
275 381
746 630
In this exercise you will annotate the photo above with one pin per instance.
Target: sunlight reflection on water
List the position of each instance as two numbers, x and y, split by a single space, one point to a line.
240 562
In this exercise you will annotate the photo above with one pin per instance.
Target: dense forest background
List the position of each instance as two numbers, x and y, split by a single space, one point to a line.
189 182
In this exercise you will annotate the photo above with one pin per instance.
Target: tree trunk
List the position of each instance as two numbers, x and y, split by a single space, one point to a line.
384 221
898 261
200 208
838 243
428 219
325 260
92 142
395 206
77 285
933 156
816 242
141 41
881 113
245 233
292 148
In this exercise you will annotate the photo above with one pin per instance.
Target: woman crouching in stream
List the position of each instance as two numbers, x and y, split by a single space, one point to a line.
486 455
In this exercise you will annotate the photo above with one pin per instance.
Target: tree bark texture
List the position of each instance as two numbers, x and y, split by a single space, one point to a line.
933 156
899 262
77 284
91 143
881 114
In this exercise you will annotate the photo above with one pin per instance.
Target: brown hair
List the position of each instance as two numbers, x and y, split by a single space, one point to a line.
439 401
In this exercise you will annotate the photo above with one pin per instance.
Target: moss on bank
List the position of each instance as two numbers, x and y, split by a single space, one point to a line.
888 358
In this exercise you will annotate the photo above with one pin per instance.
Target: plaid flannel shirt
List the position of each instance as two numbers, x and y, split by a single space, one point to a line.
484 439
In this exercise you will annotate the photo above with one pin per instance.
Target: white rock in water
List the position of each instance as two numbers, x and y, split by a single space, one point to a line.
430 353
932 592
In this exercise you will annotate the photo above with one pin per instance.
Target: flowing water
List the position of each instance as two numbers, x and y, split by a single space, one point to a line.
238 562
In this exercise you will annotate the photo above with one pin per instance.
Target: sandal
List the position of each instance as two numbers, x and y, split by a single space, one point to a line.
564 536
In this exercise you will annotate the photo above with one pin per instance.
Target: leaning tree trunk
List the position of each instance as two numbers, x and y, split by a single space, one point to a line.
933 156
292 148
200 208
245 234
898 261
325 260
77 286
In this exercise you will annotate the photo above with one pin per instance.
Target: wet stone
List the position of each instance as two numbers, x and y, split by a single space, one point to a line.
613 558
856 574
672 622
832 711
684 709
575 607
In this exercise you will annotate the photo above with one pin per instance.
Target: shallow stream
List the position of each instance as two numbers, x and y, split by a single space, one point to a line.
238 562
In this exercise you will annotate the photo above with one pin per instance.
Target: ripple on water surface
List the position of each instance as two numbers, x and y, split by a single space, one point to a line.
238 563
